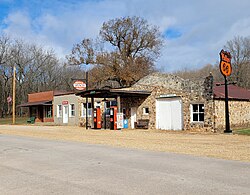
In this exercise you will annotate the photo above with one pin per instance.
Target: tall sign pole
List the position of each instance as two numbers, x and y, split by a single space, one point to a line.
82 85
14 97
226 70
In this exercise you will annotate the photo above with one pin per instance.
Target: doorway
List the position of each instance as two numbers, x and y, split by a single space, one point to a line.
65 114
169 114
133 117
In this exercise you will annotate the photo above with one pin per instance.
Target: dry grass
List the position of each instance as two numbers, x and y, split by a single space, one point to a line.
233 147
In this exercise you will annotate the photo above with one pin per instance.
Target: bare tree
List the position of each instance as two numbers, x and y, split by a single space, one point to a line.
132 46
37 70
239 47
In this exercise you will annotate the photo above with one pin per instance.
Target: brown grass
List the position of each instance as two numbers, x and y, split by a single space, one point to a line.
232 147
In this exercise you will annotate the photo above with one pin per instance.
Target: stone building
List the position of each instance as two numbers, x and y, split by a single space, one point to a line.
175 103
179 104
239 106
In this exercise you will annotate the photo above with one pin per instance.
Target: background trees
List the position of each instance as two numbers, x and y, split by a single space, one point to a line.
125 51
239 47
37 70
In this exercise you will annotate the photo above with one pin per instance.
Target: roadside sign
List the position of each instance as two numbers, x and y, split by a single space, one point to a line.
79 85
9 99
119 120
225 63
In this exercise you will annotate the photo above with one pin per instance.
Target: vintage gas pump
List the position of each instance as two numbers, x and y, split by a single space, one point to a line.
113 117
97 118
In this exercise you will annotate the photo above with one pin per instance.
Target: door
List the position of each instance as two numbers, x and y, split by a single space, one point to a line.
40 113
133 117
65 114
169 114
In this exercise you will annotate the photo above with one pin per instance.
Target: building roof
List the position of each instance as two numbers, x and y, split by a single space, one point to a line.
112 93
234 92
58 93
43 103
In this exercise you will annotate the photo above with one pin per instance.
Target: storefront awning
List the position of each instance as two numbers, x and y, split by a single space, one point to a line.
42 103
112 93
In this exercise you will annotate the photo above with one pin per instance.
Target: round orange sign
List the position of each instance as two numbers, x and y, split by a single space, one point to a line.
225 63
79 85
225 68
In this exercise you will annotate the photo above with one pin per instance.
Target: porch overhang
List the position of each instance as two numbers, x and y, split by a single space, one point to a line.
113 93
41 103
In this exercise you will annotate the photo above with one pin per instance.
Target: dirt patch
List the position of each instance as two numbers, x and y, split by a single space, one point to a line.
232 147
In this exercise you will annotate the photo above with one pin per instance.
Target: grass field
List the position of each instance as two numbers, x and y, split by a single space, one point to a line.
243 131
8 120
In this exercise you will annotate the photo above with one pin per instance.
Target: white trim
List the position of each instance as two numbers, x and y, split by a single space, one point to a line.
198 112
144 111
70 110
58 114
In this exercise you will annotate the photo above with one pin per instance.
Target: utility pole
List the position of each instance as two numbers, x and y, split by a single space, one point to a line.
82 84
87 80
14 96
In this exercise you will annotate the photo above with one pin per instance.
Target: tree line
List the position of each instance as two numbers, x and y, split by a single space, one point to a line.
125 51
239 48
37 69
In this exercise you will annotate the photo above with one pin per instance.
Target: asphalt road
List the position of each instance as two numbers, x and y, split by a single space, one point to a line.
39 166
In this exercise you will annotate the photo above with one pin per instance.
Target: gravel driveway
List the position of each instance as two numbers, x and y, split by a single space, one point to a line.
232 147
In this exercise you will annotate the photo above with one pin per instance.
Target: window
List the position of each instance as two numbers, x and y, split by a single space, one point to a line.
72 110
197 112
145 111
59 111
84 110
48 111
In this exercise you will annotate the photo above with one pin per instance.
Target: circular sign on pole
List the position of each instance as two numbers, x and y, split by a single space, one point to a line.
79 85
225 63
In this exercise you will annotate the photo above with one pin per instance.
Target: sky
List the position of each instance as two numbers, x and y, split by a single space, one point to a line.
194 31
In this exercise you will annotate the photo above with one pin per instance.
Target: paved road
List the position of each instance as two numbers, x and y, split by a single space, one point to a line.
37 166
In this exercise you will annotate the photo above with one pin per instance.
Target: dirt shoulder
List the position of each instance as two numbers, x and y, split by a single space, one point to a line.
231 147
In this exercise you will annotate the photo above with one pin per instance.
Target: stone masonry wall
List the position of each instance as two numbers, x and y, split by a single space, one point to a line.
190 92
239 112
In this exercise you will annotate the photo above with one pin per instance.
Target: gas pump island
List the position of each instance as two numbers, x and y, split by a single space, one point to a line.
107 119
110 116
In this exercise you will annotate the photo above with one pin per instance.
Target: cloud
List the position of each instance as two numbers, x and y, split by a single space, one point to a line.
195 31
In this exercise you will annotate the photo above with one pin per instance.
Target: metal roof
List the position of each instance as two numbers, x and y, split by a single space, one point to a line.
42 103
111 93
234 92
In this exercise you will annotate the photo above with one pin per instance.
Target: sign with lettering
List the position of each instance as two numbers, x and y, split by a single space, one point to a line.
225 63
119 120
79 85
65 102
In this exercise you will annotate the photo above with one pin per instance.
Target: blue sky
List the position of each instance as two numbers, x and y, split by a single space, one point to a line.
194 30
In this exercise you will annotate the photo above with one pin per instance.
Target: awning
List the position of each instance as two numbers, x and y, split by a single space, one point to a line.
42 103
111 93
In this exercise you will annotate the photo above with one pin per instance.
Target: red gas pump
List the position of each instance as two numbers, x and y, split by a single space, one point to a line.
113 117
97 118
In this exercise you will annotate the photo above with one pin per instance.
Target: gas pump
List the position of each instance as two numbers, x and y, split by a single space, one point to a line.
113 117
97 118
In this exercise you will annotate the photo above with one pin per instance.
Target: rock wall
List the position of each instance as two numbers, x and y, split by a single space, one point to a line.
190 92
239 113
